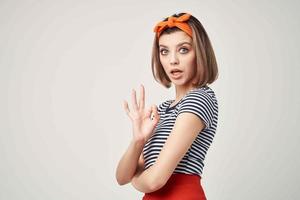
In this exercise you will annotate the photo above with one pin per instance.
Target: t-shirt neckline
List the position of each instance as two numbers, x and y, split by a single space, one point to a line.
171 101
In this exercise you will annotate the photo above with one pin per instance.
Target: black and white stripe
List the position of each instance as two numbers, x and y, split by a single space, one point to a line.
201 102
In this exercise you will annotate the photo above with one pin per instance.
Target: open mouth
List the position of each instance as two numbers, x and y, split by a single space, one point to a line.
176 71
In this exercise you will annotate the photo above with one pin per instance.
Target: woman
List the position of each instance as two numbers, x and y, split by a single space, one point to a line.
165 158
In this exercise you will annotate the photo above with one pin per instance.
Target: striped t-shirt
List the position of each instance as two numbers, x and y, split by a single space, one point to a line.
199 101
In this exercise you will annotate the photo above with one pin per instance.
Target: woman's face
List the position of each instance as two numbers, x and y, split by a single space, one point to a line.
178 57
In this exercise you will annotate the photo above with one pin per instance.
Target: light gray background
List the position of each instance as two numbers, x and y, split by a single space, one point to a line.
66 66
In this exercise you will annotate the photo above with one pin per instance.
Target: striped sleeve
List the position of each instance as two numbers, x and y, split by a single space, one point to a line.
160 107
200 104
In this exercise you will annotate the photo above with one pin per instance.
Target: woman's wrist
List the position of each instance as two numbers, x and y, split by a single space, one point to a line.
139 141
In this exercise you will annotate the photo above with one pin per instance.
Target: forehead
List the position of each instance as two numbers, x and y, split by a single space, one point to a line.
174 38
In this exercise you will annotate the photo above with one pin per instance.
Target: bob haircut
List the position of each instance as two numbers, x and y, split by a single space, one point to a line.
207 68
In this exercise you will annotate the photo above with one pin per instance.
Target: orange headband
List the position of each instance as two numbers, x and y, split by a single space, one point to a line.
179 22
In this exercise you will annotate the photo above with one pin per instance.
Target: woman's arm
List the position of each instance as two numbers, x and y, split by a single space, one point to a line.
128 165
186 128
143 180
143 128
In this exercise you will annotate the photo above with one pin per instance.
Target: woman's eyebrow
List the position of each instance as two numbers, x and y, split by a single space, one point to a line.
179 44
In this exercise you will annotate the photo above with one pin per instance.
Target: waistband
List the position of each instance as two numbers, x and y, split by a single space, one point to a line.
183 179
179 186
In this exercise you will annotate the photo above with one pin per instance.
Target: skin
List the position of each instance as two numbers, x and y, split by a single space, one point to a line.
182 57
131 165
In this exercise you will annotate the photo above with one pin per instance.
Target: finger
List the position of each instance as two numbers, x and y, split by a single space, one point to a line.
126 108
142 97
148 112
152 112
153 108
155 114
133 98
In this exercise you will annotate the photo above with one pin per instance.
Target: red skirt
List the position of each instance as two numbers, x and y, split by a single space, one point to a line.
179 187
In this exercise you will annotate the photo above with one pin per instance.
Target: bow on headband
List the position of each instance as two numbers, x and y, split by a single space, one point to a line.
179 22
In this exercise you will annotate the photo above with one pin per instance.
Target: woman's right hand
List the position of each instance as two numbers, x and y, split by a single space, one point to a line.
143 123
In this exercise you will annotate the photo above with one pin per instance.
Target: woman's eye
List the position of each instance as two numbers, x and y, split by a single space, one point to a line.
181 50
163 51
185 50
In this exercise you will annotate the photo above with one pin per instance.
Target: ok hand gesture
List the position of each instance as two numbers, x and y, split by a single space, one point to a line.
143 123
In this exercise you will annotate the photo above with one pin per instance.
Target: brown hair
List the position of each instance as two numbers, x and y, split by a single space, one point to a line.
207 68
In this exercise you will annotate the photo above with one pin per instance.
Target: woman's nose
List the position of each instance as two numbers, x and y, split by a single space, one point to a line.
173 59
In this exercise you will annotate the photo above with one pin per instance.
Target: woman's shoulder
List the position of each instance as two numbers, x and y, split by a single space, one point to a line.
202 102
205 92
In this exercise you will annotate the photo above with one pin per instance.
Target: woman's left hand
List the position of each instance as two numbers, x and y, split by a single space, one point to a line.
143 123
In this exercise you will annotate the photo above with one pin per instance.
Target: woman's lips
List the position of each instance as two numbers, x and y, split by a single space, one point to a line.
176 74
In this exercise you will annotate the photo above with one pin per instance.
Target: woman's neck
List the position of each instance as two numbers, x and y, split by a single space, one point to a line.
181 92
